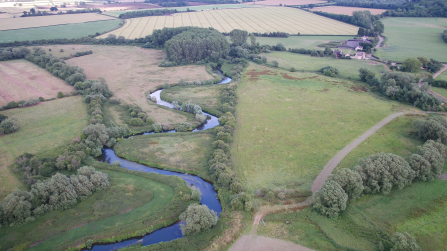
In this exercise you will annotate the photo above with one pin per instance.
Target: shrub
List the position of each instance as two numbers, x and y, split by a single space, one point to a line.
166 86
157 127
60 95
292 69
241 201
136 122
89 242
428 162
275 63
329 71
201 117
350 181
183 127
116 163
9 125
331 200
196 194
41 99
198 218
404 242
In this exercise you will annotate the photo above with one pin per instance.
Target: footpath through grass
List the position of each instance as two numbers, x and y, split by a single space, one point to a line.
347 68
43 127
413 37
291 124
67 31
184 152
398 137
207 96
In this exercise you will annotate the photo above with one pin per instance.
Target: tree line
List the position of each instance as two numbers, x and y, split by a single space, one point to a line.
33 13
377 4
147 13
424 8
402 87
358 18
60 192
444 36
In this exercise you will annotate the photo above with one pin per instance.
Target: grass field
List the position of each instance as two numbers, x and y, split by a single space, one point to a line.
43 127
132 72
33 22
442 76
288 2
205 96
261 20
347 68
306 42
186 152
440 91
68 31
196 8
413 37
396 137
22 80
343 10
290 124
126 193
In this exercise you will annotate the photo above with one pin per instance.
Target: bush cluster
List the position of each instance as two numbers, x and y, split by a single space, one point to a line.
23 103
13 53
8 125
280 194
204 82
402 87
146 13
137 116
379 173
329 71
444 36
58 193
228 99
198 218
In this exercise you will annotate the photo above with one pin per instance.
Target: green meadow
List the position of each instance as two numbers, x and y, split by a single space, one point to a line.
290 124
347 68
413 37
305 42
67 31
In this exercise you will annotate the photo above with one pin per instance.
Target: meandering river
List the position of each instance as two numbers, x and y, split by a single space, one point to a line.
209 195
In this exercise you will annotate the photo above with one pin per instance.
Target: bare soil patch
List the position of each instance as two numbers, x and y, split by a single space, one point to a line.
22 80
288 2
132 73
29 22
346 10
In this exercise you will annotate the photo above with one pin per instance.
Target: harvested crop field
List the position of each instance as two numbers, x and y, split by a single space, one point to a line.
261 20
131 72
289 2
30 22
22 80
346 10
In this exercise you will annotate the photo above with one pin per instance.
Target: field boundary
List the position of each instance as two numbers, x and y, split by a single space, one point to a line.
62 24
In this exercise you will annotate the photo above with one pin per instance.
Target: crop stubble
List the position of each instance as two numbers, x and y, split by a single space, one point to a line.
261 20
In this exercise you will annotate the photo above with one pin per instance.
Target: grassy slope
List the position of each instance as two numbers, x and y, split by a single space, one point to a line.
306 42
287 129
58 31
185 152
440 91
43 127
347 68
413 37
125 193
396 137
206 96
197 8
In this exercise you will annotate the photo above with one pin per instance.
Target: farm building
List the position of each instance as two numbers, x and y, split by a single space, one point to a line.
359 55
359 48
338 53
354 43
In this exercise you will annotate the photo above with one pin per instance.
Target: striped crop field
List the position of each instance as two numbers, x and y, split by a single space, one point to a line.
260 20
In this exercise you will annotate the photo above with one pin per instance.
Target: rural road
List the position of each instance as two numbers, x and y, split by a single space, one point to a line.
432 92
380 42
255 243
332 164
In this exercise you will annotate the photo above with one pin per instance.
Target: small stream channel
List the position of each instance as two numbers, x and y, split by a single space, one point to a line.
209 195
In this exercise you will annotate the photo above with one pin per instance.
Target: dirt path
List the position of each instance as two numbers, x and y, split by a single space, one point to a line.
261 243
440 71
380 42
321 178
432 92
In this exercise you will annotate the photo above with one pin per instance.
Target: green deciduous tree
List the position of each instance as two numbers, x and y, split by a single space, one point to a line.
411 64
198 218
238 37
404 242
331 200
378 26
350 181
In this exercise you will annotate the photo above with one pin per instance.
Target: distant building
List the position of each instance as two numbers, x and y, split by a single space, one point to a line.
338 53
359 48
360 55
347 55
353 43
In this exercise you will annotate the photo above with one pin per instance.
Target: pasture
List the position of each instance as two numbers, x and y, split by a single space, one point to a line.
413 37
442 76
261 20
67 31
398 137
183 152
306 42
347 68
22 80
132 72
43 127
342 10
440 91
290 124
206 96
288 2
33 22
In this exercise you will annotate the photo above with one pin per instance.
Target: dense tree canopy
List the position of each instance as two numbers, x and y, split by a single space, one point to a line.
198 218
197 44
331 200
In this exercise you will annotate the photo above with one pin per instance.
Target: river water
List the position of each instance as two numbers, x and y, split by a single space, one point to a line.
209 195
